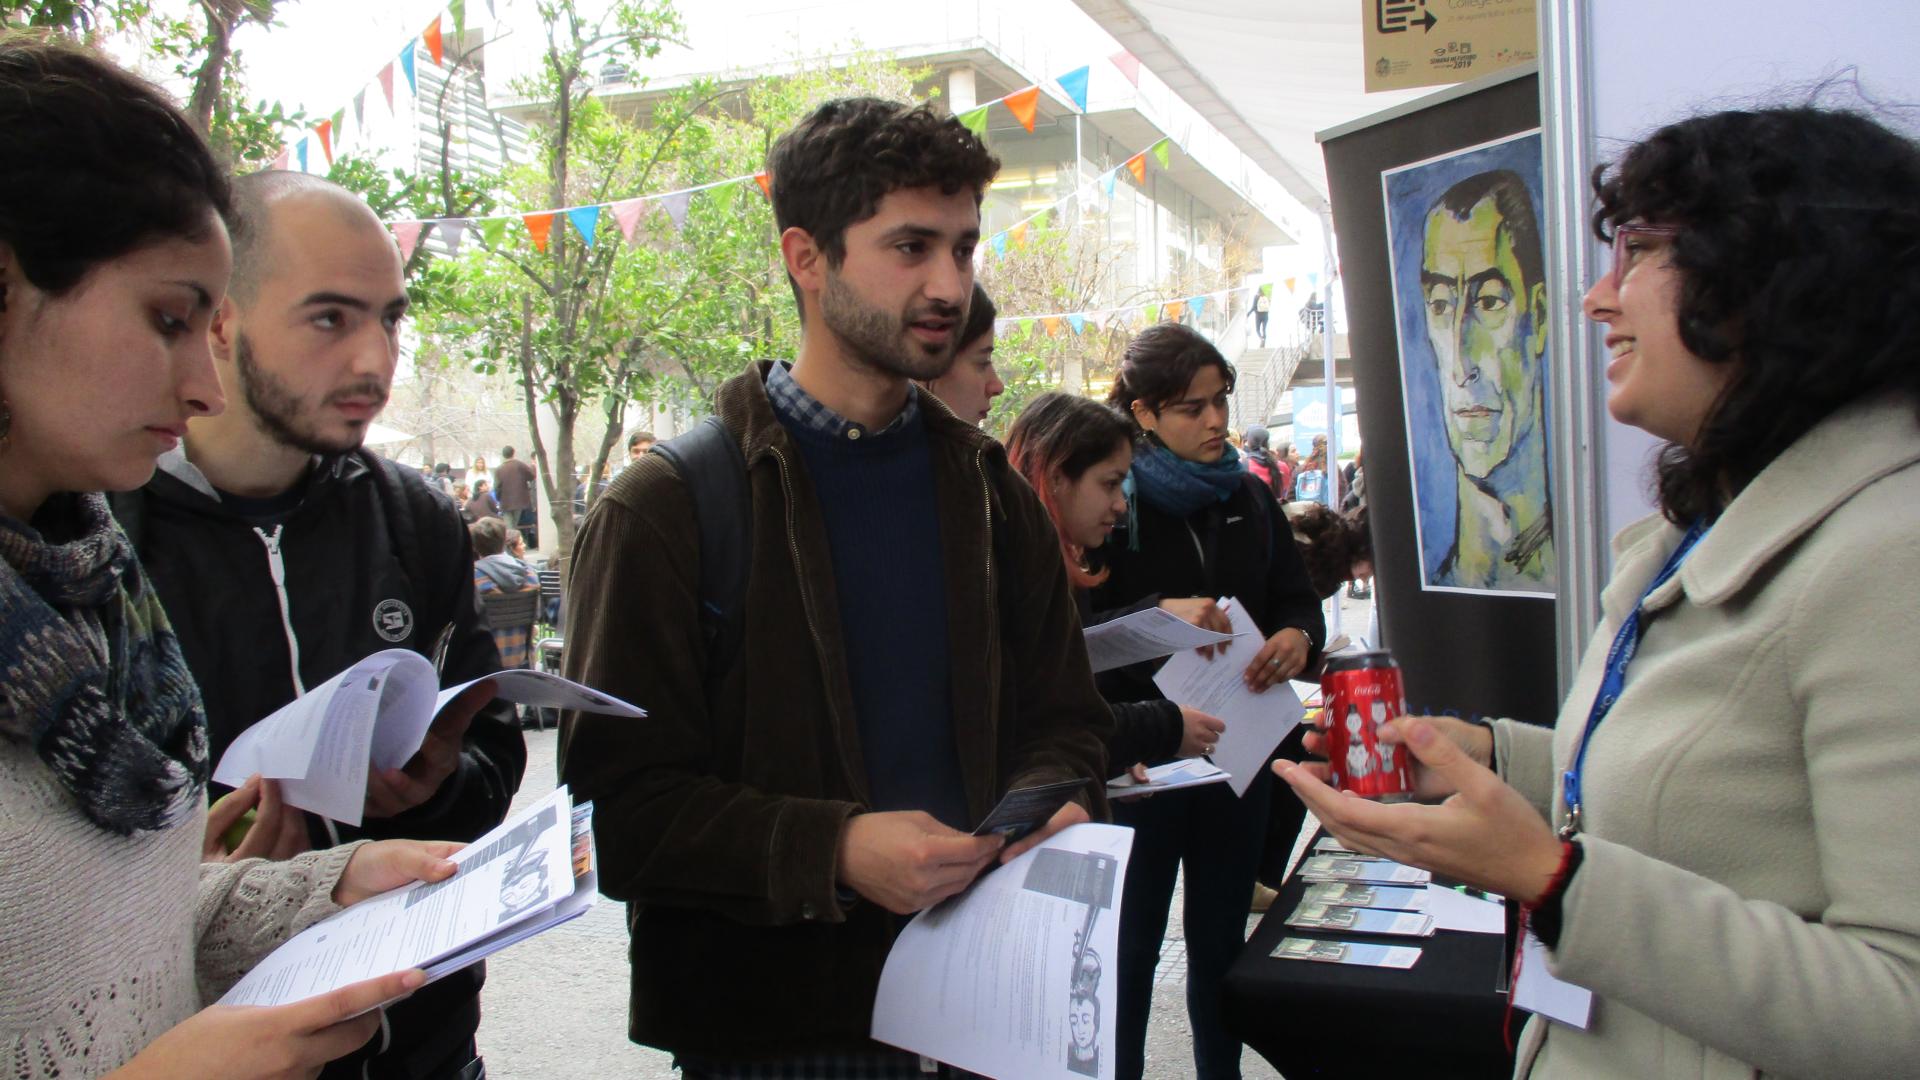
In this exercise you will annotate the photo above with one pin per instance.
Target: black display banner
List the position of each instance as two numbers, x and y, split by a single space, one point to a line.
1438 213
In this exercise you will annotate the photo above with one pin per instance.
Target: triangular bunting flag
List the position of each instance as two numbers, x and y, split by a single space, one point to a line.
1153 313
386 84
1137 165
489 8
406 65
1313 281
676 206
627 214
452 232
407 234
1162 153
1024 104
1075 84
975 120
1018 234
586 220
999 243
1128 64
435 48
1026 328
721 198
766 184
1267 289
1198 304
493 231
300 153
1079 323
360 109
1172 310
540 226
1052 323
340 127
458 8
280 162
324 129
1109 180
1290 282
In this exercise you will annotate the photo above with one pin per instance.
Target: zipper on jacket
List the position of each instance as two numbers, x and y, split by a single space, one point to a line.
277 567
993 593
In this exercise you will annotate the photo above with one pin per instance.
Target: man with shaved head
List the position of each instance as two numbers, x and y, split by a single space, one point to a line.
285 551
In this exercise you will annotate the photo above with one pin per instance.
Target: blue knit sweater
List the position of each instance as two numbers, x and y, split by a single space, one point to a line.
883 524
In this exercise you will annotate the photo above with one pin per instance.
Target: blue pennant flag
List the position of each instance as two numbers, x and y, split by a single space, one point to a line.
1079 323
406 65
1075 84
1111 178
999 239
300 154
1313 281
1198 304
586 219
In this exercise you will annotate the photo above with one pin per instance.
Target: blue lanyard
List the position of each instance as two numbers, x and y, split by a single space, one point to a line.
1625 644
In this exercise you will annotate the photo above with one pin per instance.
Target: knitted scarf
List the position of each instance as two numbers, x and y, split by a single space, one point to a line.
1175 485
91 675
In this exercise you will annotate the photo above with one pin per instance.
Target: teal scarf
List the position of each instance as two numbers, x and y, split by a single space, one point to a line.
1173 485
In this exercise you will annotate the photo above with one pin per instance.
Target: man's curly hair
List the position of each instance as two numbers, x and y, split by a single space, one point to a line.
1799 264
831 171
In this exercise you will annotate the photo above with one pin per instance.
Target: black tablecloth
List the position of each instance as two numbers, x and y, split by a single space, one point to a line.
1440 1018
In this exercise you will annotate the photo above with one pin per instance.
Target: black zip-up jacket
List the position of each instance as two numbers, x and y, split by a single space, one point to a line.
349 554
1236 548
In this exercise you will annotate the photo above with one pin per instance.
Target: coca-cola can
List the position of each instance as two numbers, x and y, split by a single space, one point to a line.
1362 692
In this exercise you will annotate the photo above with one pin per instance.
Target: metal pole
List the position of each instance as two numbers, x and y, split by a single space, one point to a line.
1333 391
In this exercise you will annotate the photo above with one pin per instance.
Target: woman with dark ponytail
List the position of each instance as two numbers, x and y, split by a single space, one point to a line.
1198 528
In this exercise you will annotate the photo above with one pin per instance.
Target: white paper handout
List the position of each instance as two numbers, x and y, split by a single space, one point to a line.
375 714
533 872
1255 722
1453 910
1186 772
1015 976
1144 635
1539 991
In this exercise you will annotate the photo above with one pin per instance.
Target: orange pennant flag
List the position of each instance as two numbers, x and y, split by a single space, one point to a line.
324 129
766 184
1290 282
1137 165
1052 324
1018 234
541 226
1173 309
432 38
1023 104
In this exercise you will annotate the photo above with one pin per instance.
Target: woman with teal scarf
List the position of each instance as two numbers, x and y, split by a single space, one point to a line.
1198 528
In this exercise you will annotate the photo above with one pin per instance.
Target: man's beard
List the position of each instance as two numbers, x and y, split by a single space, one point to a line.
279 411
881 340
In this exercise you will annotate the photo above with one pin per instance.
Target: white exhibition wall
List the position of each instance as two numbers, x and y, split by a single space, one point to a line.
1650 62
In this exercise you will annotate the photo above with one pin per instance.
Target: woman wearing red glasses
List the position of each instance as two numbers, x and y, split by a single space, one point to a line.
1716 840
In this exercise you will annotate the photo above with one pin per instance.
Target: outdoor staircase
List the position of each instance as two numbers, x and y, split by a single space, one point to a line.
1263 375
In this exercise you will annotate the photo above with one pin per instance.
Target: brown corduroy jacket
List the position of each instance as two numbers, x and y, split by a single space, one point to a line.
718 820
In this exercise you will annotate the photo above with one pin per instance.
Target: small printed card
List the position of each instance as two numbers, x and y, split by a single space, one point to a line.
1361 869
1347 894
1311 916
1327 845
1346 952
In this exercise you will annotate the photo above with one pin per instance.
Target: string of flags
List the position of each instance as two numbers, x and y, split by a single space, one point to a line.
1057 323
1024 103
1016 234
330 131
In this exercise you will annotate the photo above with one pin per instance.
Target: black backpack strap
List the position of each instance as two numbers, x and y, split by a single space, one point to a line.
402 533
709 460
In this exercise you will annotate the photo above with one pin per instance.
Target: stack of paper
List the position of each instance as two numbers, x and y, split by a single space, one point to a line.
1255 722
531 874
1450 908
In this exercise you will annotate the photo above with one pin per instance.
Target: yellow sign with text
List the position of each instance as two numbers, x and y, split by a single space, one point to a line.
1434 42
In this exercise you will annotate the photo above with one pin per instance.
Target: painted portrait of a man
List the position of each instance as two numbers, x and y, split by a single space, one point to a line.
1470 299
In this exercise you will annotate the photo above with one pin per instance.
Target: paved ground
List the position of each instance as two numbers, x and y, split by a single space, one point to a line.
558 1010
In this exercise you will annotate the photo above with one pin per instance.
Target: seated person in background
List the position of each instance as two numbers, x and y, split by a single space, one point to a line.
496 571
460 499
1337 547
480 505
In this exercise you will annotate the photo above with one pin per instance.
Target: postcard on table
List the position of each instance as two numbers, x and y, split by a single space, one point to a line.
1312 916
1346 952
1361 869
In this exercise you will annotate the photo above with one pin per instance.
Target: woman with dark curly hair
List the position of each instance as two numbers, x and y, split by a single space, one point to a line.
1716 839
1198 528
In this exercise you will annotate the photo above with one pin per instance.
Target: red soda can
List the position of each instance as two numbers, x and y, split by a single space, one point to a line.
1362 692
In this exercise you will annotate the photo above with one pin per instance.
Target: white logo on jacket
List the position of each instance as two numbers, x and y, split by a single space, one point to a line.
393 621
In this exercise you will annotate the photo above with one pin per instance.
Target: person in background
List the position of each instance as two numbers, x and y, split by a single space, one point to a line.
461 497
1310 480
123 915
495 569
1353 483
1262 307
1336 547
479 468
639 445
1198 527
443 479
1261 462
970 385
1076 453
1716 837
481 504
513 482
